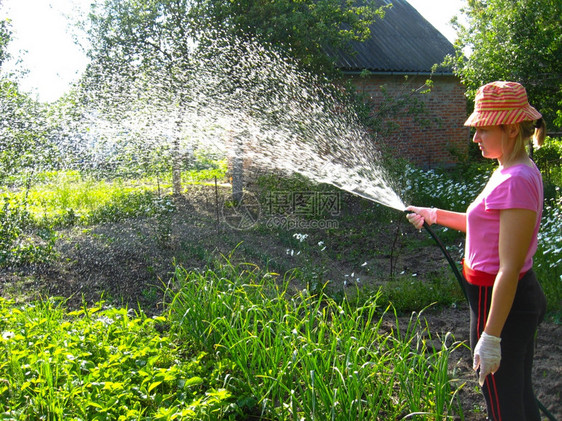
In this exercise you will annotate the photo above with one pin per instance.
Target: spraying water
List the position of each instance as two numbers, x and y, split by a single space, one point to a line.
240 100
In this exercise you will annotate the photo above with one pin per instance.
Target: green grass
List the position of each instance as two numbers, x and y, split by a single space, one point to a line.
68 198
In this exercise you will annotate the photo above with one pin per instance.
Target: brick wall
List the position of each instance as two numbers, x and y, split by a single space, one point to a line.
424 138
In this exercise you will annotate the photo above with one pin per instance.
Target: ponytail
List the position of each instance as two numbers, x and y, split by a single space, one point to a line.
528 130
540 132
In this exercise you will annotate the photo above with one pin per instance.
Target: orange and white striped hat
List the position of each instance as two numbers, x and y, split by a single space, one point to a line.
498 103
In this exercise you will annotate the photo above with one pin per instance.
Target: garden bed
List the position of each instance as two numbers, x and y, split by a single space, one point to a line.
131 262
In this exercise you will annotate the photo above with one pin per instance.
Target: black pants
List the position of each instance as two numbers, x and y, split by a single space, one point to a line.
509 392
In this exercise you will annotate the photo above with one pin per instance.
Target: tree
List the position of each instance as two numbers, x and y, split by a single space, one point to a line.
139 55
22 127
131 37
142 49
25 135
513 40
5 36
301 28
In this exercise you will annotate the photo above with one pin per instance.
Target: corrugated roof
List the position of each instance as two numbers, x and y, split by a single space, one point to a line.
402 42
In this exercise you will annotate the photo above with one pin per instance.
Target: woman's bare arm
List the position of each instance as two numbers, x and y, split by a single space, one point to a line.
453 220
516 233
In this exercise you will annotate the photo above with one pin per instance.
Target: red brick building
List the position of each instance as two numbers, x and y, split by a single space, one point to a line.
391 67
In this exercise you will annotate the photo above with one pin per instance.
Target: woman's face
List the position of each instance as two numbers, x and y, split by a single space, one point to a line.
490 141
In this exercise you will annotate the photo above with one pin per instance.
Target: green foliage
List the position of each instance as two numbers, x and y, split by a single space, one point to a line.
67 198
99 364
119 30
411 294
384 114
5 37
24 145
513 40
548 258
302 29
206 169
131 205
549 159
302 356
19 243
444 190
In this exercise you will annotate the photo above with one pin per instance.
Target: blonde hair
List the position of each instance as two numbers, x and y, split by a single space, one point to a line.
527 129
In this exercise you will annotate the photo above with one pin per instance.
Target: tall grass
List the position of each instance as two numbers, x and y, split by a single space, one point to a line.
306 357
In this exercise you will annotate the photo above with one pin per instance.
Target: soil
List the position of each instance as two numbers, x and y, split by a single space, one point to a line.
130 263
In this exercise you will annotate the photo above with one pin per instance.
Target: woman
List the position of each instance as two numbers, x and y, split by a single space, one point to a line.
501 225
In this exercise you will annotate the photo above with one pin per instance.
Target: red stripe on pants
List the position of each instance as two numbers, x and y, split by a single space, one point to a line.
490 380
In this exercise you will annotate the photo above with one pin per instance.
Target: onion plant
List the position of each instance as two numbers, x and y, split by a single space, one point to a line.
308 357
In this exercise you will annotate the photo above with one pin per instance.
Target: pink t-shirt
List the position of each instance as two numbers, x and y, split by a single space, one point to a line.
516 187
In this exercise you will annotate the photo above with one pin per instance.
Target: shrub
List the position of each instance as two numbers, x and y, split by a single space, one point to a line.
548 259
19 244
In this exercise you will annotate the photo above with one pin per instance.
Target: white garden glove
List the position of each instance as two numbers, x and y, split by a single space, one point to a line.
487 356
421 215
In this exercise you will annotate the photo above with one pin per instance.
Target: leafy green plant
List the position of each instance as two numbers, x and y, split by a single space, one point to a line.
99 364
549 160
408 293
440 189
19 243
548 259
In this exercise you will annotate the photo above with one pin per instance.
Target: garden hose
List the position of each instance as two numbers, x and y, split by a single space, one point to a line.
461 281
452 263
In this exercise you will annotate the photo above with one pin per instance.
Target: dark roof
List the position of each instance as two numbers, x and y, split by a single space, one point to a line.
402 42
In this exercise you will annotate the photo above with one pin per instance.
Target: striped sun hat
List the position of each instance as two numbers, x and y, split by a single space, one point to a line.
498 103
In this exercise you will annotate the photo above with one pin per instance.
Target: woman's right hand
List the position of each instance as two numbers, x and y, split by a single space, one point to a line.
421 215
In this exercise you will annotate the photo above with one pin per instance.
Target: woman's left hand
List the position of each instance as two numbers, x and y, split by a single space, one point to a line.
487 356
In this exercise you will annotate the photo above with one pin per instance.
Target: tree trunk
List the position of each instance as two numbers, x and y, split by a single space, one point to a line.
238 168
176 167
